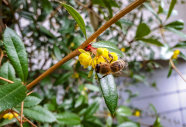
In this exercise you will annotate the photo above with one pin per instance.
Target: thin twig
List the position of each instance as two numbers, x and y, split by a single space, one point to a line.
89 40
21 122
1 56
9 81
29 93
16 117
174 67
33 125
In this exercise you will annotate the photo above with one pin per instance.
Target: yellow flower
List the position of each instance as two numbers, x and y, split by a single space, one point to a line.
75 75
113 56
137 113
97 60
84 58
103 52
175 54
123 49
9 116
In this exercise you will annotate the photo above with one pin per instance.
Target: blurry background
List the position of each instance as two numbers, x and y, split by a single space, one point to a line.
50 33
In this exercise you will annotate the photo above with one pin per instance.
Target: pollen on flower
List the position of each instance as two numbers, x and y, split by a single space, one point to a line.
175 54
103 52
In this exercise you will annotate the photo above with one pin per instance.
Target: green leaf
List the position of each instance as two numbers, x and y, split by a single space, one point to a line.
77 17
63 78
109 45
7 71
16 53
92 87
181 34
153 108
57 53
157 123
109 91
68 118
180 45
91 110
39 113
31 101
124 111
182 56
46 5
45 31
142 30
178 25
11 95
151 41
173 2
128 124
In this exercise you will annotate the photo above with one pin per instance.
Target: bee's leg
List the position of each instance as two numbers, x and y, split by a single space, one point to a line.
104 76
111 58
106 59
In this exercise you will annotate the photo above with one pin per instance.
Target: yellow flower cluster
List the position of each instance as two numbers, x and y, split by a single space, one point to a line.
137 113
102 55
175 54
9 116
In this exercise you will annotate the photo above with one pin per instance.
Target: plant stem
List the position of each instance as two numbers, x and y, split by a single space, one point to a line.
174 67
89 40
1 78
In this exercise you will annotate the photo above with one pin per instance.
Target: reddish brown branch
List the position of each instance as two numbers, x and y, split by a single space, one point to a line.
89 40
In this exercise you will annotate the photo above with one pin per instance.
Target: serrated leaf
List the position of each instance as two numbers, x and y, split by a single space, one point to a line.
124 111
39 113
151 41
11 95
142 30
178 25
91 109
31 101
181 34
109 92
173 2
16 53
77 17
68 118
7 71
109 45
128 124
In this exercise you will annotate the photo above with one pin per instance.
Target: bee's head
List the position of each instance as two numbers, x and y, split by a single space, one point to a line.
97 68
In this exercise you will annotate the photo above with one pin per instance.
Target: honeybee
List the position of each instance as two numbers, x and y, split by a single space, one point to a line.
108 68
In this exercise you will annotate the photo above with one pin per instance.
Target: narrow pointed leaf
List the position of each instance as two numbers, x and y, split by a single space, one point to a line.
91 109
181 34
77 17
109 91
178 25
173 2
109 45
7 71
151 41
11 95
16 53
